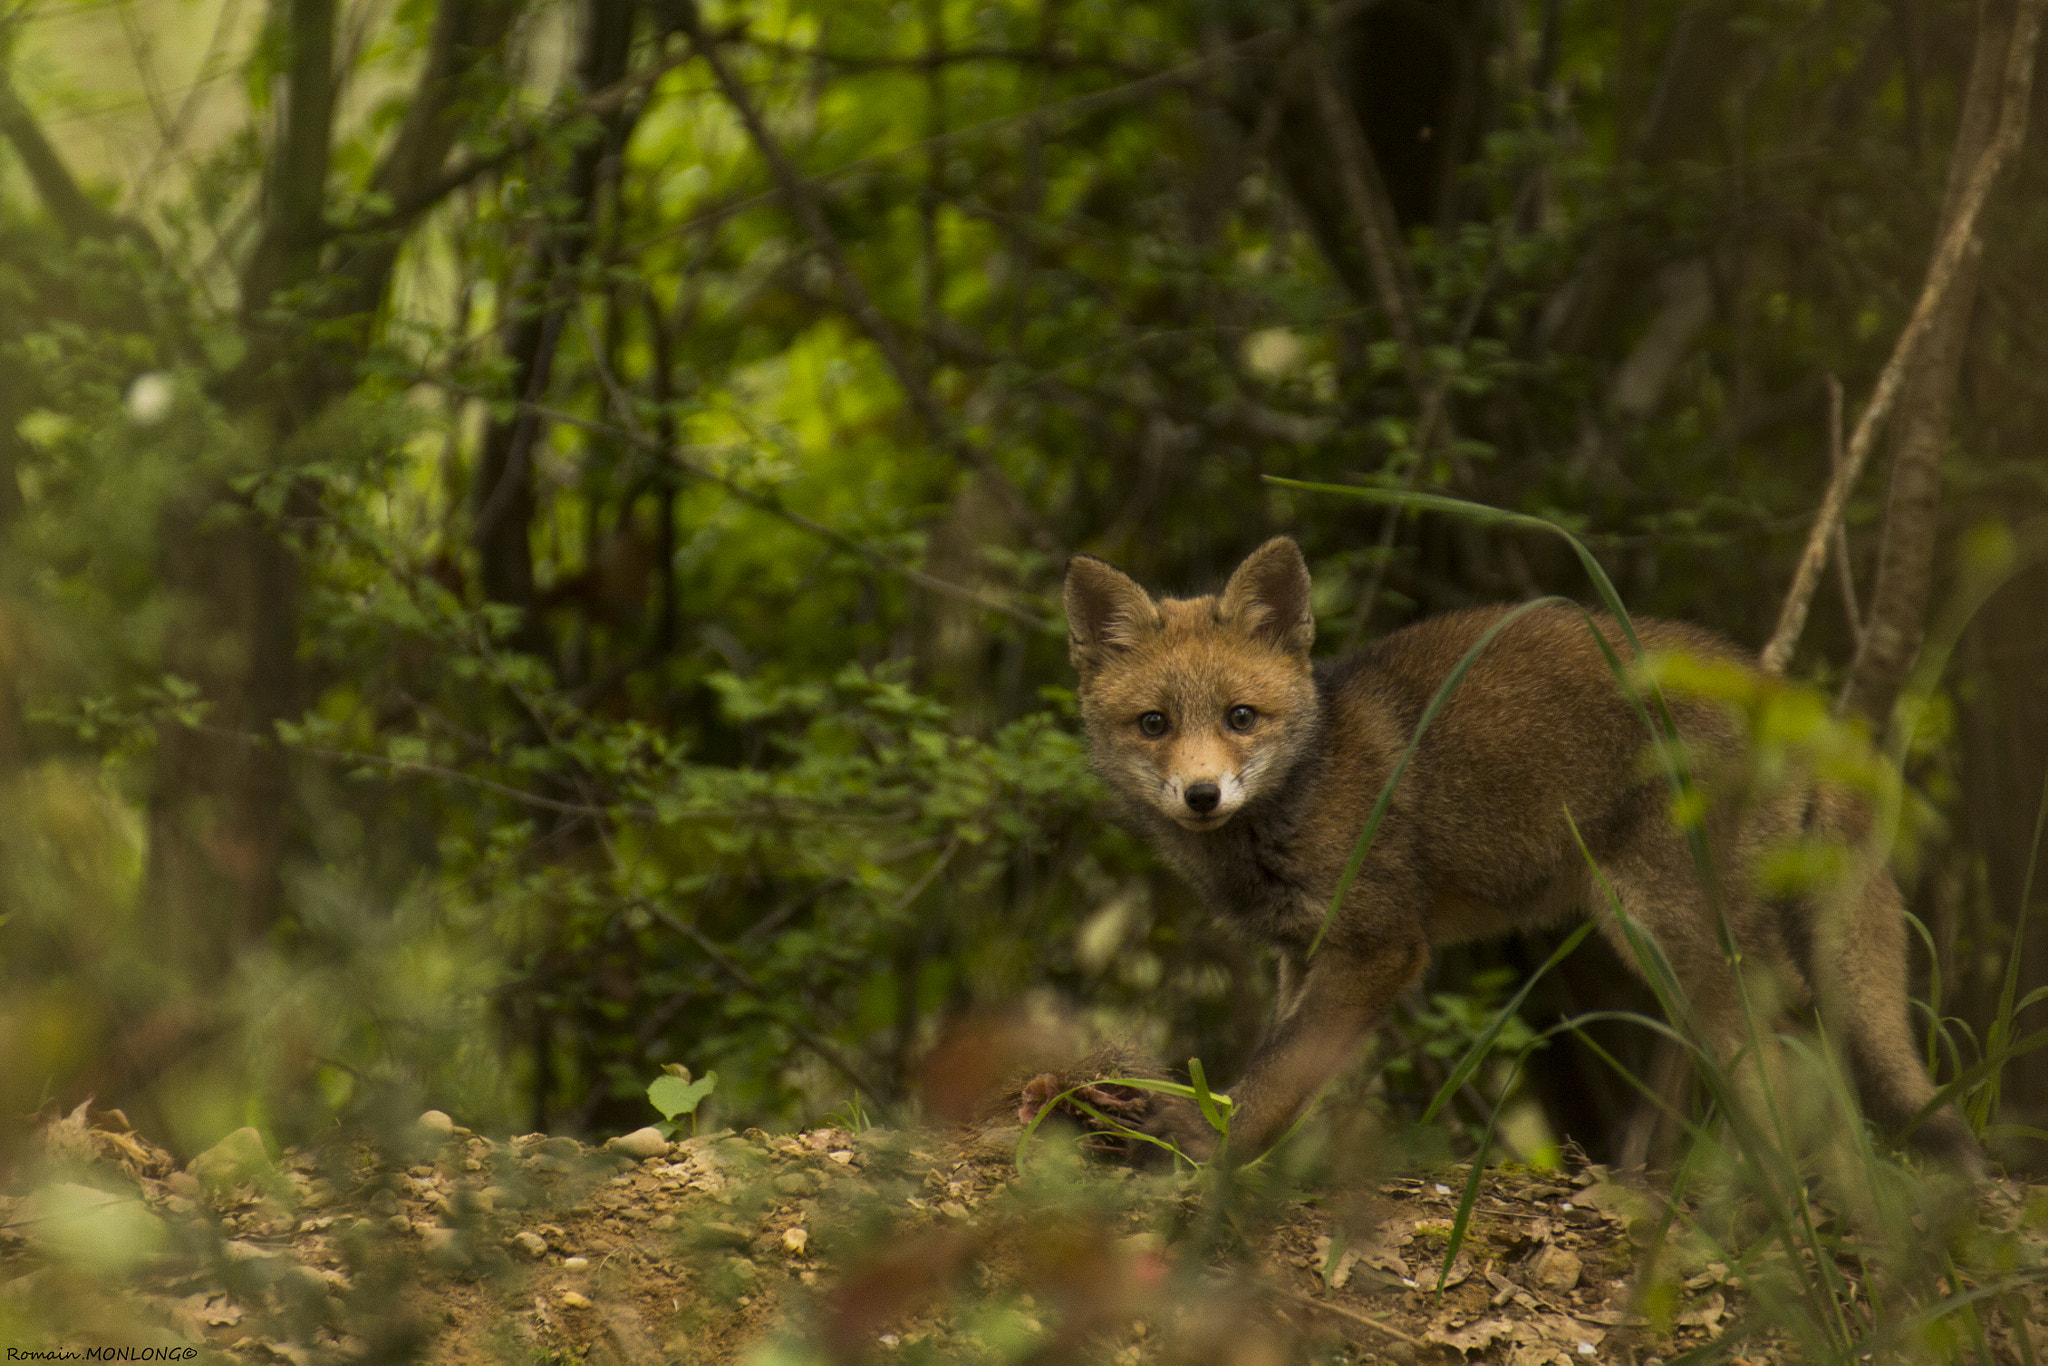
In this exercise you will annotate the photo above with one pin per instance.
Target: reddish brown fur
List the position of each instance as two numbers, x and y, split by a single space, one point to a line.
1476 842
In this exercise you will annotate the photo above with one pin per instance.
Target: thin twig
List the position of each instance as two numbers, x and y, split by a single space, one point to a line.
1352 1314
1075 108
1845 575
811 1039
678 456
414 768
610 100
911 377
1434 400
1956 243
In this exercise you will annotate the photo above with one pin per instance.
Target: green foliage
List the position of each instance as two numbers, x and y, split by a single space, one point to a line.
751 743
674 1093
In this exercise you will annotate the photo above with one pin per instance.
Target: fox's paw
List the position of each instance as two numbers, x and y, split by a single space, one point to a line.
1102 1110
1109 1113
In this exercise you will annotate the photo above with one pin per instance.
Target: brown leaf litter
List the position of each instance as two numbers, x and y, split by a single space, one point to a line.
822 1246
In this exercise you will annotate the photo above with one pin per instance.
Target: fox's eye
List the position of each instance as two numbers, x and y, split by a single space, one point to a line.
1153 723
1240 717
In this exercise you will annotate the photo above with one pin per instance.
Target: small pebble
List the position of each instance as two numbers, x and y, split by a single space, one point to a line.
641 1143
529 1244
575 1263
437 1122
794 1238
572 1300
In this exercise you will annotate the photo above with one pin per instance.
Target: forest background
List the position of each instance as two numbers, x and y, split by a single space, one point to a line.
530 532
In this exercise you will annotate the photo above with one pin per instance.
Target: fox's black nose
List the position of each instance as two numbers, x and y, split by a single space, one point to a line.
1202 797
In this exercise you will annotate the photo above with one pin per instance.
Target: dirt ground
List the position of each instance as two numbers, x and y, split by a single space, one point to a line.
830 1246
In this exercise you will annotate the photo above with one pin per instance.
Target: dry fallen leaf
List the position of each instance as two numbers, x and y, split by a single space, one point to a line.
1461 1271
1473 1337
1706 1314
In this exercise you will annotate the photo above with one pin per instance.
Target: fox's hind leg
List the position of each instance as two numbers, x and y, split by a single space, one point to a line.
1858 968
1734 1021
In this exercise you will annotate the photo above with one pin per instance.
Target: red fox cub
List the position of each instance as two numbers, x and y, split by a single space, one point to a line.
1253 771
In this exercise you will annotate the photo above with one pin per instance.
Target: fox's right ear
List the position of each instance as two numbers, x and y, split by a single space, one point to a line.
1107 612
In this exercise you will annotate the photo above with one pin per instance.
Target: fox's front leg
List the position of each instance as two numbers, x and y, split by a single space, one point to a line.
1328 1007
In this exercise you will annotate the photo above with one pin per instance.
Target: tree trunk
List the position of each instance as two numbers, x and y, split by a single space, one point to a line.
503 498
218 809
219 806
1920 425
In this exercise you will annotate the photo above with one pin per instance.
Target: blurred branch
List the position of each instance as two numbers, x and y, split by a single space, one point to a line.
1904 578
1432 410
76 212
173 134
1957 246
1021 56
911 377
811 1039
413 767
765 502
295 186
544 291
464 30
1845 574
1075 108
410 201
1351 1316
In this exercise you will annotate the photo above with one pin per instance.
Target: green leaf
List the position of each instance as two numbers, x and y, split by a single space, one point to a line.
1215 1107
673 1096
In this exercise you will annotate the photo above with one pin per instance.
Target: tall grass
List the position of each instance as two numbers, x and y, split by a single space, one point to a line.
1742 1190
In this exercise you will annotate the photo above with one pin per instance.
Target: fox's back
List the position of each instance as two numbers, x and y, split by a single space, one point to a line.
1539 727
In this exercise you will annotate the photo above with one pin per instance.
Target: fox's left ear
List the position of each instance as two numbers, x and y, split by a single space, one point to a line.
1268 597
1107 613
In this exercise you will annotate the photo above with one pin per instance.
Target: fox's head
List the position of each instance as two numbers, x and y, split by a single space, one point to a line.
1195 706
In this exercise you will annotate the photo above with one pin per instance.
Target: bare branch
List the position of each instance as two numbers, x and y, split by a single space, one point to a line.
75 211
1958 244
1844 573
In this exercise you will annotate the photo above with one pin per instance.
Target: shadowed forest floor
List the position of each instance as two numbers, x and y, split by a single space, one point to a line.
833 1246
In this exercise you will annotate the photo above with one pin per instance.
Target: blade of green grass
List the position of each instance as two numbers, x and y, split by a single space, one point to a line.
1207 1099
2001 1024
1483 1044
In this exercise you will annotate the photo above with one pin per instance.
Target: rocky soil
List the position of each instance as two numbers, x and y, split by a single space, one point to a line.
831 1246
